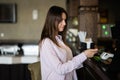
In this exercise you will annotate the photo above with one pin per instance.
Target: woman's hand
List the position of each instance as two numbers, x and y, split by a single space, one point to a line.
90 52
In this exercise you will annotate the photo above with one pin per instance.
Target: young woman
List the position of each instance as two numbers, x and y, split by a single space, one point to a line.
57 62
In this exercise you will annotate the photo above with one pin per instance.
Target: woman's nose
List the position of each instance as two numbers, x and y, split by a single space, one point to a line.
64 23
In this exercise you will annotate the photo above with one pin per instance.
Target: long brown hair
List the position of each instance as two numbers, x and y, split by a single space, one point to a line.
53 18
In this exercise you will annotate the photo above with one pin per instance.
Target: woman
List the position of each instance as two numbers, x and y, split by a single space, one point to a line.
57 62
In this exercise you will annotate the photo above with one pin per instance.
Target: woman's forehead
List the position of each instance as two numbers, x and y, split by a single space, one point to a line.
63 16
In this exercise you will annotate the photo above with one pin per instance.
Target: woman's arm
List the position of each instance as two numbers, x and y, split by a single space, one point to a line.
49 57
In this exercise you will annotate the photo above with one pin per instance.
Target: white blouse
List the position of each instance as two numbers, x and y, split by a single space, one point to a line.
57 63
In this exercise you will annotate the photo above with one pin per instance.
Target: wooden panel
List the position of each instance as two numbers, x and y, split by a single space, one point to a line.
88 23
88 2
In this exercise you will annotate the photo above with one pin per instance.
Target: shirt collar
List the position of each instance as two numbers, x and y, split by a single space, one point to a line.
58 37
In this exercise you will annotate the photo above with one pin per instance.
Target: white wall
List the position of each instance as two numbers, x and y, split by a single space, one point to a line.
26 28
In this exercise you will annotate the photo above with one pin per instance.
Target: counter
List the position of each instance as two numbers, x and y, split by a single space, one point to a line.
16 67
18 59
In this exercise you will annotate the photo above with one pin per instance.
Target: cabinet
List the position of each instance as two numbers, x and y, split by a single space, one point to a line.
14 72
16 67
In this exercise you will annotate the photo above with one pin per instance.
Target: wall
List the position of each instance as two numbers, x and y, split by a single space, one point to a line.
26 28
113 9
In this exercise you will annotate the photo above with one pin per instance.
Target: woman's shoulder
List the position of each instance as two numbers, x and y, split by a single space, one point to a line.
47 41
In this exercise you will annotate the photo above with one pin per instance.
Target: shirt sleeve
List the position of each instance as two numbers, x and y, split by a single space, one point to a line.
49 57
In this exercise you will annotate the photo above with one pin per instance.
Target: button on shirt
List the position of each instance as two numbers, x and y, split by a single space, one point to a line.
57 62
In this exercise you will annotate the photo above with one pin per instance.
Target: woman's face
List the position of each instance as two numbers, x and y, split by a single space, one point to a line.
62 24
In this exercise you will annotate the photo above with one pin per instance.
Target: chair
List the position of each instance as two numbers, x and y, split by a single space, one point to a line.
35 71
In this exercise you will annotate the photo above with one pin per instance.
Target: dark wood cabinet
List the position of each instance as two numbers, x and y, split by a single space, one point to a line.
14 72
